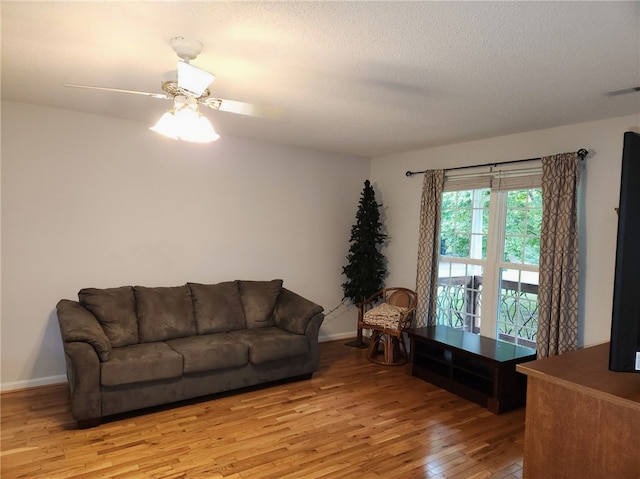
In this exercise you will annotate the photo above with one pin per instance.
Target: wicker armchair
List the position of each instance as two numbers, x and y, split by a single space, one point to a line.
387 314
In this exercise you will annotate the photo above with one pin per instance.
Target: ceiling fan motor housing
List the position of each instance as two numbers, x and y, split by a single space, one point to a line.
186 48
173 88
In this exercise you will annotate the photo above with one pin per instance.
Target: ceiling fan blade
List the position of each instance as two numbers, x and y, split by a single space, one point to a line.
623 91
161 96
242 108
230 106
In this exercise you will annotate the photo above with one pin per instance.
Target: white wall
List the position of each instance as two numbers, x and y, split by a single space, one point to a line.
93 201
401 199
89 201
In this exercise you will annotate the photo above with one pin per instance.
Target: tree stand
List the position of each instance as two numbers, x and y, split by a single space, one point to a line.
359 342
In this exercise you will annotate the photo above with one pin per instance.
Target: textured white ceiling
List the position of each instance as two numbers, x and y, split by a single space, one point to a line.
366 78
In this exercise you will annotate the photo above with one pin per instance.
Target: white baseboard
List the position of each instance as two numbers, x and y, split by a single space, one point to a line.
336 337
32 383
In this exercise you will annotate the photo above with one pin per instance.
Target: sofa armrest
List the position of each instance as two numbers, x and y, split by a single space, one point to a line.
77 324
293 312
83 372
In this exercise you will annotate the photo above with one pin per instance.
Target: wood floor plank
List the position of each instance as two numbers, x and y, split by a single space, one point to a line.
353 419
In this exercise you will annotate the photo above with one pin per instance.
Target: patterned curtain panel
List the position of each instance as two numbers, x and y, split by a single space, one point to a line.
429 248
558 290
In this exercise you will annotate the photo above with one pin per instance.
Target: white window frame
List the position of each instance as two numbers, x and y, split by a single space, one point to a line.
500 183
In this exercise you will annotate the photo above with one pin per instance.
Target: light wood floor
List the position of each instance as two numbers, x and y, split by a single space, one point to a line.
354 419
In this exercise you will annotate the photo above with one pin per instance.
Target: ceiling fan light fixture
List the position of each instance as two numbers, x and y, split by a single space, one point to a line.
166 125
201 131
184 122
193 79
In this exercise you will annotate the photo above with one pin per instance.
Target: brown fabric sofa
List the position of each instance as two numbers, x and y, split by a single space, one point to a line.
133 347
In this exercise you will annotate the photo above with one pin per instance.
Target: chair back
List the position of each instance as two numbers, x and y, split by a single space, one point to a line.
400 297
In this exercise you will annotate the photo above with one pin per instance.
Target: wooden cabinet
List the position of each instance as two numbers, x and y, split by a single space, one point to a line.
582 420
479 369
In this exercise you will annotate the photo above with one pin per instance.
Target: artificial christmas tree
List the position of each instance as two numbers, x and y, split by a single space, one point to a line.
366 266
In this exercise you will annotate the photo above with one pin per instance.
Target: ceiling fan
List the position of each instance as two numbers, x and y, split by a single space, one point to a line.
623 91
188 87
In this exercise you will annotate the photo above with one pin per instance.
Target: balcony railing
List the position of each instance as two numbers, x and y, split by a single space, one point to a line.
459 305
458 302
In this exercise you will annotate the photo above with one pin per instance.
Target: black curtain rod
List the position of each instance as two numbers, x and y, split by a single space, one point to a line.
582 153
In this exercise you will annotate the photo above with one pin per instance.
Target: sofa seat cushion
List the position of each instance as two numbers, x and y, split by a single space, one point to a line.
140 362
217 307
209 352
164 313
271 343
115 309
258 301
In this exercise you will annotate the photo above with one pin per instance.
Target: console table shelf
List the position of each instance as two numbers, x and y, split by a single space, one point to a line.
477 368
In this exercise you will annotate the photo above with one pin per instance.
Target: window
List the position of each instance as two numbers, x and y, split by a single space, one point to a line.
489 254
519 249
463 253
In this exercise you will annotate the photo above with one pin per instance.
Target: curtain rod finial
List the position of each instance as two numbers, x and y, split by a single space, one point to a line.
582 153
409 174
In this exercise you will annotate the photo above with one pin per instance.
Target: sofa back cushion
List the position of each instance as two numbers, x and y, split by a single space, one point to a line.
115 309
164 313
217 307
258 301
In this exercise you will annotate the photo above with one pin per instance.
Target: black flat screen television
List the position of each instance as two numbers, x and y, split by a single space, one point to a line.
624 354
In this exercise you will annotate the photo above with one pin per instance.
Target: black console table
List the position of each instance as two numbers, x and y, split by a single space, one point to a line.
480 369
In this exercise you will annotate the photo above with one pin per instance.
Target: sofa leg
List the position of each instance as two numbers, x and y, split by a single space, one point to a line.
87 423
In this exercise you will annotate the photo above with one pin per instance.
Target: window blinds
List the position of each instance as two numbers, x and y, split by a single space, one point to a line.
497 180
